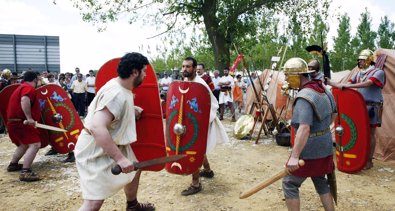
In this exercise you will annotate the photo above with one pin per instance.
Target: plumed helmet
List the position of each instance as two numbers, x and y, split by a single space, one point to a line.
296 66
314 65
6 74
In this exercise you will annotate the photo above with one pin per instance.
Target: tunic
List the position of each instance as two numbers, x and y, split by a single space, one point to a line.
93 164
372 94
225 95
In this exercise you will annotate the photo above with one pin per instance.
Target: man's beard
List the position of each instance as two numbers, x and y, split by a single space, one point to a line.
186 74
137 82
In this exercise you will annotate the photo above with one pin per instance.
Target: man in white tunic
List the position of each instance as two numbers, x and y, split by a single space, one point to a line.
110 128
216 131
226 84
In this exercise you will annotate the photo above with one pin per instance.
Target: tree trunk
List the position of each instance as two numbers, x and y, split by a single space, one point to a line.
216 35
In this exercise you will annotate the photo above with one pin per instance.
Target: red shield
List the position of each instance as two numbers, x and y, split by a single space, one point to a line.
188 113
5 95
58 110
353 147
150 142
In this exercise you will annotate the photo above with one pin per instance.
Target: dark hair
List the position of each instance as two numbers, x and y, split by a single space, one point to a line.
238 76
201 64
194 62
29 76
226 68
129 63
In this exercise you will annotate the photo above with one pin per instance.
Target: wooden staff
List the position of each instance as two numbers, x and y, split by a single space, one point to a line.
268 182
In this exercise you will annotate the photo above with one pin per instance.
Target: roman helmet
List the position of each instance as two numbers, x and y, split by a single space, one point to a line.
368 56
314 65
6 74
293 68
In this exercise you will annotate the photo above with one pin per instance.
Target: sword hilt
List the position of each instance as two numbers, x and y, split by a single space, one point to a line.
117 169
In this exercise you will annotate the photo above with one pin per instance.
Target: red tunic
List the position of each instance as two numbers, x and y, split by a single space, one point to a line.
18 132
208 81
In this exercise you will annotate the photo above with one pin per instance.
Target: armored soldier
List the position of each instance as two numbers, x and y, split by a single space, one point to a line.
313 111
314 64
369 81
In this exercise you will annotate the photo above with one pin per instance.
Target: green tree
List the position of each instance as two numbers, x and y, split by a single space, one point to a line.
224 20
341 56
319 32
365 36
386 34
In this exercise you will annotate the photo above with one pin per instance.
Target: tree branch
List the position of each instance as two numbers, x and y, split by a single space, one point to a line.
169 28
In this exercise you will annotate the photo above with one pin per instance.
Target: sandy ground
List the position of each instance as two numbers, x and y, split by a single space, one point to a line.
238 166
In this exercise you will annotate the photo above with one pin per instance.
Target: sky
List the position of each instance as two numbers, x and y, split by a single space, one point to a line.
82 46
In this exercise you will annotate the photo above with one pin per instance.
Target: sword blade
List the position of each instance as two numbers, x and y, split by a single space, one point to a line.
157 161
49 127
144 164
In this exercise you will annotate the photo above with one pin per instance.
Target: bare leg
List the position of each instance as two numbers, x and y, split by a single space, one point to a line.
293 204
206 164
195 178
232 110
369 164
131 195
221 111
132 188
30 154
327 202
91 205
19 152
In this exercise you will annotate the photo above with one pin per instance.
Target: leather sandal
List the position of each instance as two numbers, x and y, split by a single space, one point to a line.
141 207
14 167
192 190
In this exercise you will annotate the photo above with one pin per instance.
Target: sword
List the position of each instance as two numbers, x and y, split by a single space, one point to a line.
268 182
333 185
47 127
140 165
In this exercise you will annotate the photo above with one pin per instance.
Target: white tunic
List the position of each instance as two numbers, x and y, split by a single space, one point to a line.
225 97
216 131
93 164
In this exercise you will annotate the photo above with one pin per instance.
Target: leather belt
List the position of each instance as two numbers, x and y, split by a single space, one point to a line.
370 103
320 133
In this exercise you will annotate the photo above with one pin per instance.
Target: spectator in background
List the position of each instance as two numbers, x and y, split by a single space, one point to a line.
165 82
226 83
217 88
74 77
79 88
202 73
238 92
44 77
51 79
90 81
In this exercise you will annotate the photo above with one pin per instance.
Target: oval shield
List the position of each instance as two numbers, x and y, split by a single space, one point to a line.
58 110
187 112
353 136
150 142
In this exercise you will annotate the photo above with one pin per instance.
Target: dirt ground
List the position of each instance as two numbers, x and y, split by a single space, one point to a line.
238 166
